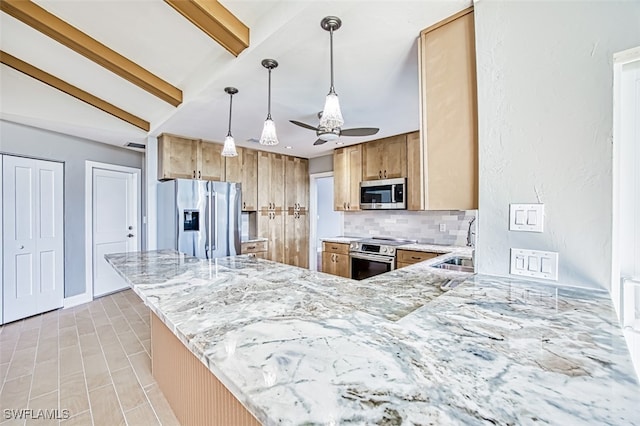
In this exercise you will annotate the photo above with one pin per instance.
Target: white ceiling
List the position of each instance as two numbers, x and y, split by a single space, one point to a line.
375 57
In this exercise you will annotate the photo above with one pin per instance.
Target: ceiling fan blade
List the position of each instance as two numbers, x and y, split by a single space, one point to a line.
306 126
319 142
360 131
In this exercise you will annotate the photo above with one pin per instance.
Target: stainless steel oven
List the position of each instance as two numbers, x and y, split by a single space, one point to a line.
365 265
374 256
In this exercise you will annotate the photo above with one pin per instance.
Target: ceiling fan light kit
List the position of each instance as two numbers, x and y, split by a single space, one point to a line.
269 136
331 115
331 121
229 148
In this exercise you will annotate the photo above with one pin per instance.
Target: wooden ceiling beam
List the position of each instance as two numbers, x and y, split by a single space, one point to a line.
68 35
74 91
216 21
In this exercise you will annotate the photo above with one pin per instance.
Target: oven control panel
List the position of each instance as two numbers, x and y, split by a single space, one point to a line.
373 248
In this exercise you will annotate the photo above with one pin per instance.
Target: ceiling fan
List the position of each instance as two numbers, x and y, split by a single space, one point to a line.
331 121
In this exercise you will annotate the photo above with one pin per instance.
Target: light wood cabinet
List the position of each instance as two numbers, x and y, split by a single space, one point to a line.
385 158
271 227
347 173
244 169
448 161
212 164
177 157
271 215
255 248
409 257
297 211
335 259
270 181
183 158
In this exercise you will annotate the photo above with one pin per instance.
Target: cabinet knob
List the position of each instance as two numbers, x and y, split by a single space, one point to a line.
380 174
244 205
385 174
199 174
348 206
345 206
194 174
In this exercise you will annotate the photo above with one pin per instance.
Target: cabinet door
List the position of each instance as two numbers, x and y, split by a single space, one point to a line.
394 157
297 238
414 179
264 181
372 160
211 162
342 267
270 181
449 99
276 237
328 265
341 179
177 157
244 169
296 201
355 175
249 180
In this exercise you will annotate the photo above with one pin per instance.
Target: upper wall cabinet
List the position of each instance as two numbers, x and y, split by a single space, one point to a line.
183 158
244 169
385 158
448 161
347 173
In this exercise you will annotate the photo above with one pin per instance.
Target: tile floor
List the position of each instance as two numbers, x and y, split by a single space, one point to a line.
91 360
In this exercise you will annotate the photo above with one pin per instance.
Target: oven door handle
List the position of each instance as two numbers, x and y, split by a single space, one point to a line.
374 257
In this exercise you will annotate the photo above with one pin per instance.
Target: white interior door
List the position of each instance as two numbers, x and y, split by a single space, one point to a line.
33 242
115 225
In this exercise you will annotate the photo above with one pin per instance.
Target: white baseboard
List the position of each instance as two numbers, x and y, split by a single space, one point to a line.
79 299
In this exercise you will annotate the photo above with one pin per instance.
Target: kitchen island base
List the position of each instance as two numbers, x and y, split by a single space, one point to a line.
196 396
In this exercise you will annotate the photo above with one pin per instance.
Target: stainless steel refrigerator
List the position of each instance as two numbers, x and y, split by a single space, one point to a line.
199 218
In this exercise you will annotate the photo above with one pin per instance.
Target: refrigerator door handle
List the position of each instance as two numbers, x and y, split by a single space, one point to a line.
213 216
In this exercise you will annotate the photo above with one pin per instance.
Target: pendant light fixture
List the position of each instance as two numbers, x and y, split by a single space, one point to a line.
331 115
269 136
229 149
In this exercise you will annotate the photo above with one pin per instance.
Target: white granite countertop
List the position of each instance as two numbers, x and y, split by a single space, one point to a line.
436 248
302 347
342 240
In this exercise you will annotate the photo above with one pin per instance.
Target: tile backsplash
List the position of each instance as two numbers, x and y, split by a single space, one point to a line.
421 226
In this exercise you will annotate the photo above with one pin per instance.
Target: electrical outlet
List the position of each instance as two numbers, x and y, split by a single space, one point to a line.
443 227
534 263
526 217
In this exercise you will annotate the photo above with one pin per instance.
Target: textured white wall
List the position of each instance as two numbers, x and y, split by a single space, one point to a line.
545 87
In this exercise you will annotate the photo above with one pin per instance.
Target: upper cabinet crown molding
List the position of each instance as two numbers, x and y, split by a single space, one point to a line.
215 21
66 34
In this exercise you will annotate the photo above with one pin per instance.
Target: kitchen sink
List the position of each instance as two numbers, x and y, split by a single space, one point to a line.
459 264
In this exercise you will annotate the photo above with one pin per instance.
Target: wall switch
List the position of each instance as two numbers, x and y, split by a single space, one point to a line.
443 227
526 217
534 263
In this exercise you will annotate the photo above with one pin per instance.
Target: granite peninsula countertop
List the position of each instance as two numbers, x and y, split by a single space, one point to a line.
251 239
303 347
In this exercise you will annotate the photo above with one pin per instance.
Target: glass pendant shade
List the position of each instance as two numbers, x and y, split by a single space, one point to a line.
229 149
331 115
269 136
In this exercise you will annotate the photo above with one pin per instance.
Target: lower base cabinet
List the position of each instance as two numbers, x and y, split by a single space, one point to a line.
410 257
255 248
335 259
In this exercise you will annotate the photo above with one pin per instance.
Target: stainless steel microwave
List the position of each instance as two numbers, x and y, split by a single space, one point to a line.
383 194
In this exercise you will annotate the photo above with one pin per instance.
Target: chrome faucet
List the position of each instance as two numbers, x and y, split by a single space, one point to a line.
469 233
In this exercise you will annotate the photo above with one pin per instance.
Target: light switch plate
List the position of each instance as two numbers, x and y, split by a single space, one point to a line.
526 217
534 263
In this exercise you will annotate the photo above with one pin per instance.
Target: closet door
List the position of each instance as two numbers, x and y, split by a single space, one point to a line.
33 251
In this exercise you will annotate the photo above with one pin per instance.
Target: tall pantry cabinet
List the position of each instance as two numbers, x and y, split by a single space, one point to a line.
271 203
297 214
32 239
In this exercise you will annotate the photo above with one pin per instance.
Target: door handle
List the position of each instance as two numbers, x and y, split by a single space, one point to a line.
130 227
21 247
130 235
